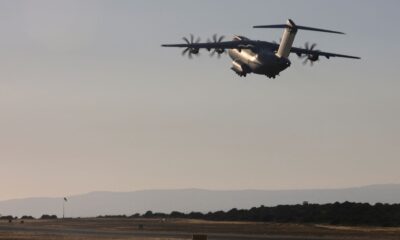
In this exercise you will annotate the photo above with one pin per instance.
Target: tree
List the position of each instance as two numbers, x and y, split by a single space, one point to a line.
47 216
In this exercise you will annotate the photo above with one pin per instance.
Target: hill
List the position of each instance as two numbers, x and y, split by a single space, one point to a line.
187 200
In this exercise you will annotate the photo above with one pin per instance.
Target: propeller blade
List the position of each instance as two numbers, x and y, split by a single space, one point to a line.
216 39
191 38
185 51
309 57
186 40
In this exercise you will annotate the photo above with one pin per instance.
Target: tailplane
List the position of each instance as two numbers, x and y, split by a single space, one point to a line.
289 35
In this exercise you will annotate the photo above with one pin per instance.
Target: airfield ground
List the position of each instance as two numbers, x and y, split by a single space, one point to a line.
156 229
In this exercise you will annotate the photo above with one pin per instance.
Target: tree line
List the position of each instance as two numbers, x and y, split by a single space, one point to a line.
26 217
346 213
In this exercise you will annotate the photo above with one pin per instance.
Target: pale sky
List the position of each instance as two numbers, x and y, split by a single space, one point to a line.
90 101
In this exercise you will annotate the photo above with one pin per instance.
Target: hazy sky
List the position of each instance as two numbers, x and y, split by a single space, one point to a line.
90 101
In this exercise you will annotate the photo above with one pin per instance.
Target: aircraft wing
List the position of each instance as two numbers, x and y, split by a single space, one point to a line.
214 45
300 51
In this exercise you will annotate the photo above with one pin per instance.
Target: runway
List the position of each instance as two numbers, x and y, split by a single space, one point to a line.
79 232
176 229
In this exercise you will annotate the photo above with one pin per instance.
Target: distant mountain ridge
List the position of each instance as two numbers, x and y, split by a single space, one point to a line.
187 200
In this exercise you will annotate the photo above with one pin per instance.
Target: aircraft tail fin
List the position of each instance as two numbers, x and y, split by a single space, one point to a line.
289 35
287 39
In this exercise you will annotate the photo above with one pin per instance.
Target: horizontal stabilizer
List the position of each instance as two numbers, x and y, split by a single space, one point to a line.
296 27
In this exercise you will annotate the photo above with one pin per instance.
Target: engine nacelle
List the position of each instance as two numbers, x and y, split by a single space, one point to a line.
219 50
313 57
194 50
239 68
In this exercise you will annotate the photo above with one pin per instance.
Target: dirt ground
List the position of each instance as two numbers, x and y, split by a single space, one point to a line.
156 229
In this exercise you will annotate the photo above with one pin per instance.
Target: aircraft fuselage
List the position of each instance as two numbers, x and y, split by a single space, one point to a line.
264 62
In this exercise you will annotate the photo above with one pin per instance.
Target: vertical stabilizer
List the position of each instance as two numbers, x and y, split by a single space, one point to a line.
287 39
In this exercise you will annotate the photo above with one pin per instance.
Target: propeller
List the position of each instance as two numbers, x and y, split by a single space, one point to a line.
216 39
310 57
190 50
